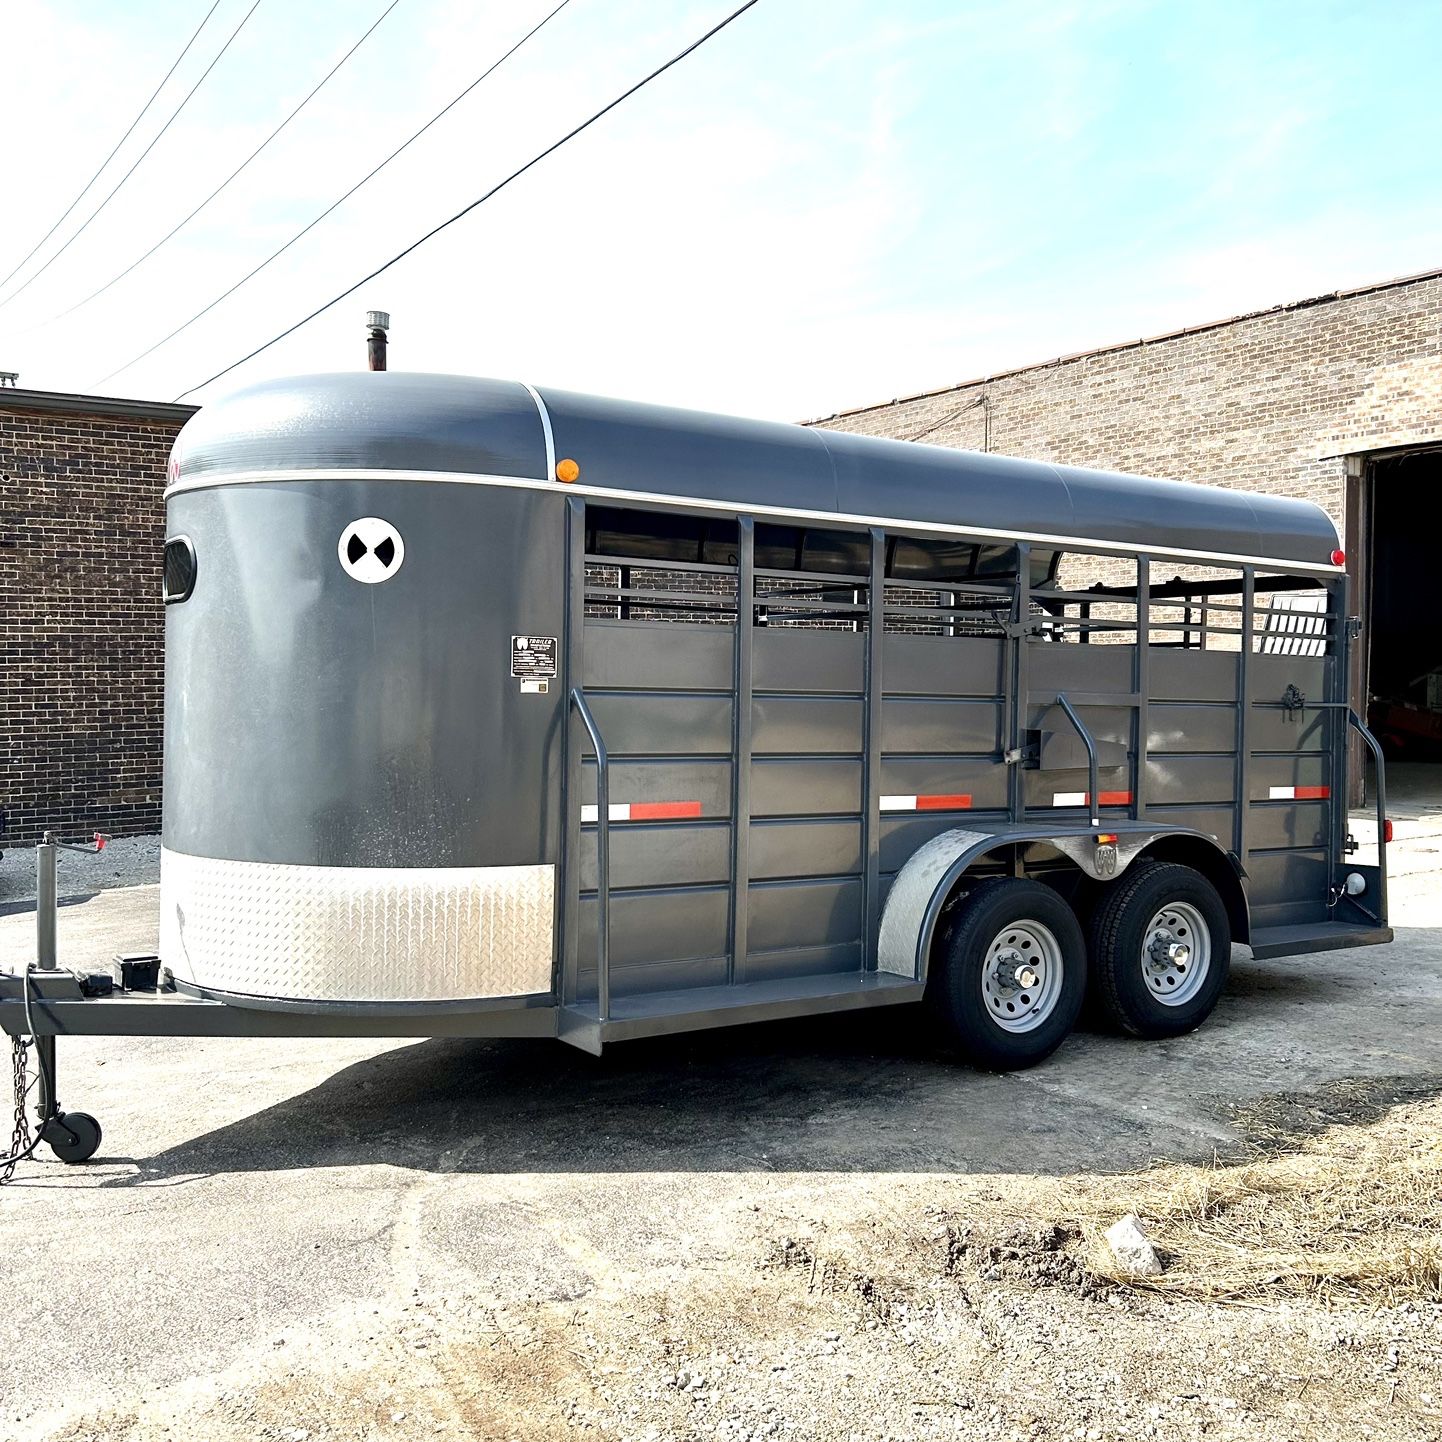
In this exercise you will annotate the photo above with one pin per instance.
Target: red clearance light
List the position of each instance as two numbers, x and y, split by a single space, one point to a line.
1387 829
1339 557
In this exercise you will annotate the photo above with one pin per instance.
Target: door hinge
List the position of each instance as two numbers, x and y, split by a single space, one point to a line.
1354 627
1024 630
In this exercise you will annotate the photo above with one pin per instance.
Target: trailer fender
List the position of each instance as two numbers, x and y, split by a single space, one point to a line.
927 880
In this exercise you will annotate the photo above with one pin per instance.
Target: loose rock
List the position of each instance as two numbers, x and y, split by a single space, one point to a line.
1132 1248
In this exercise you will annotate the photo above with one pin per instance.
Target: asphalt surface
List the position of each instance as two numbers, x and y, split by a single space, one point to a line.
251 1193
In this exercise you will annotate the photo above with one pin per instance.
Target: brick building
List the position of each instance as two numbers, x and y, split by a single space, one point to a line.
81 626
1337 399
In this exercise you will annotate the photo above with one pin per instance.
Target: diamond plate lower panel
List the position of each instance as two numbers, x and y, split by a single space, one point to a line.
339 933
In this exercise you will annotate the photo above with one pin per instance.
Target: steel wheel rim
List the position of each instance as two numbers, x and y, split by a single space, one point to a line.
1176 953
1021 976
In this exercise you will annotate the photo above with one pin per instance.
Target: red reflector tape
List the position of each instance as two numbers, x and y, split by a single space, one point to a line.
664 810
643 811
935 801
1298 793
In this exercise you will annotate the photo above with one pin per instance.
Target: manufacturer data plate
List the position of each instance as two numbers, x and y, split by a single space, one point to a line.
533 657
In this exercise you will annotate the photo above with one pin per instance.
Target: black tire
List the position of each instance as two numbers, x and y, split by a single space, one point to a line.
73 1136
1129 979
970 1000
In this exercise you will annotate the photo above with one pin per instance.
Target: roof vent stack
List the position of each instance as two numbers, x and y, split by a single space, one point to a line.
378 322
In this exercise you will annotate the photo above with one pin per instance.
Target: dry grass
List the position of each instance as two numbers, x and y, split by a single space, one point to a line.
1355 1211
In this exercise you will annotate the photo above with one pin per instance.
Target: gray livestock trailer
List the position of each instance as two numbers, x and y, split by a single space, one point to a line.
497 711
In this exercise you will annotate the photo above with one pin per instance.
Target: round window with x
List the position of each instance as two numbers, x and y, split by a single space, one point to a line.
371 550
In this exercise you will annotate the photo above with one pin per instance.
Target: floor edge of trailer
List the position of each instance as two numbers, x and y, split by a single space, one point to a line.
699 1008
1307 937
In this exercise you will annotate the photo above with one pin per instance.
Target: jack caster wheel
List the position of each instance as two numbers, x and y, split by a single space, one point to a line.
73 1136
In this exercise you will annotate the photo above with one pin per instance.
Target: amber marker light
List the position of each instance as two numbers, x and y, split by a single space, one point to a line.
1105 838
567 470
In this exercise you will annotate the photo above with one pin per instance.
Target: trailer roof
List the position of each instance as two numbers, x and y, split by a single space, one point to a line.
467 428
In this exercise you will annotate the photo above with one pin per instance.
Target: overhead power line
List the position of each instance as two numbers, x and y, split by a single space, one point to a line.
335 205
174 115
481 200
144 109
175 230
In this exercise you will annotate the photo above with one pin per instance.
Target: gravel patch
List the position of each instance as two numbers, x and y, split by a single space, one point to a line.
126 861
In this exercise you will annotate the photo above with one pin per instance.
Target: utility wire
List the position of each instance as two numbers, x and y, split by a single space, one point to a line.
481 200
335 205
173 116
981 400
171 234
143 110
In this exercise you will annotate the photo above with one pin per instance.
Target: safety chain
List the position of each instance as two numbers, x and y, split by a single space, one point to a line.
21 1142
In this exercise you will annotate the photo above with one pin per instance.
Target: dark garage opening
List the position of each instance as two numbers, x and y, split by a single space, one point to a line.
1404 666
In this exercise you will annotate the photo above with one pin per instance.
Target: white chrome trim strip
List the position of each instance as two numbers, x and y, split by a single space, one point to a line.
545 416
649 498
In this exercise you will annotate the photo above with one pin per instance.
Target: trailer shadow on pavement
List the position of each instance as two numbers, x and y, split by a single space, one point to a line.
861 1093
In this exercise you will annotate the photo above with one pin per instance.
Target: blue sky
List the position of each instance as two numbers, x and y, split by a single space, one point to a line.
830 204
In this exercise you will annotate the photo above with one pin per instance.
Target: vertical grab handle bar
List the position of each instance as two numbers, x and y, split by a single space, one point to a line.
603 856
1093 804
1375 748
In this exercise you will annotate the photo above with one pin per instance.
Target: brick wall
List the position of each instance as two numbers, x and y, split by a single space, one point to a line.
1268 402
81 627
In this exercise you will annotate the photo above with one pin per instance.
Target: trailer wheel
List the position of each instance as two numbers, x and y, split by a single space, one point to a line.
1009 975
73 1136
1161 948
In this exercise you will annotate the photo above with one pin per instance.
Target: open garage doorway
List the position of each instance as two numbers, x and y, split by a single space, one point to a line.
1398 511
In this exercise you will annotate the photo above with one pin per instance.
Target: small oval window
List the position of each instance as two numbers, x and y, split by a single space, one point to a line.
179 569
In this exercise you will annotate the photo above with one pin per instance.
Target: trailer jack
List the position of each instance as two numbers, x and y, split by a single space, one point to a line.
72 1136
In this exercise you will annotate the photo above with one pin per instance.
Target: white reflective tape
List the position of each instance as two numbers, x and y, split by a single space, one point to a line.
616 811
1069 798
1281 793
898 803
